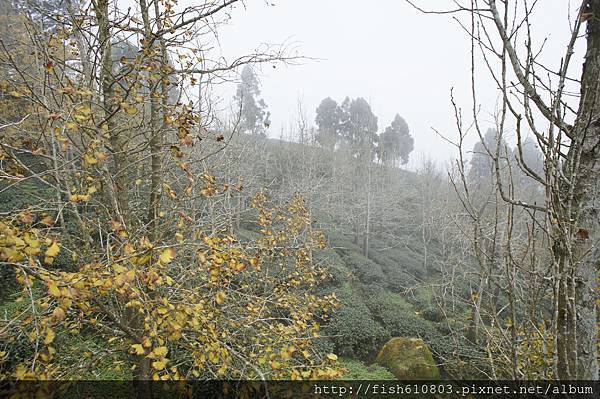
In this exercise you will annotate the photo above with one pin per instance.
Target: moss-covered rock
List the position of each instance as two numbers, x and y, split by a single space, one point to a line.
408 359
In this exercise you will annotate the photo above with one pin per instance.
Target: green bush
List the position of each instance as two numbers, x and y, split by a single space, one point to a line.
22 195
433 313
357 370
404 322
379 301
422 298
401 258
365 269
352 330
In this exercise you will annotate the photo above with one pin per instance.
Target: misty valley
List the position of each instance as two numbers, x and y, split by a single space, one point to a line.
159 221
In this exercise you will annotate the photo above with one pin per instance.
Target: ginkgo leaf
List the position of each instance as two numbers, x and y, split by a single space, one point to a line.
159 365
50 334
119 268
58 314
138 349
53 289
220 297
159 352
52 250
90 159
167 255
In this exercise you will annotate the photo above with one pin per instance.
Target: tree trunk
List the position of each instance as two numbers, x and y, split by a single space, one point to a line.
580 350
119 190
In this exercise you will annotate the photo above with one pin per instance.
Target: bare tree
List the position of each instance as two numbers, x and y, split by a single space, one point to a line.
534 96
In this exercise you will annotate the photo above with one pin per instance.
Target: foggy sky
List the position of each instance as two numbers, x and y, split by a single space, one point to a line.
400 60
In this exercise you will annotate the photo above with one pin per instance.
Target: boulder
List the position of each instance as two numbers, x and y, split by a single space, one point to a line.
408 359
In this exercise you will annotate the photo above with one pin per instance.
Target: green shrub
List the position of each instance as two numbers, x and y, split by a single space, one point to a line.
352 330
357 370
401 258
365 269
379 301
433 313
422 298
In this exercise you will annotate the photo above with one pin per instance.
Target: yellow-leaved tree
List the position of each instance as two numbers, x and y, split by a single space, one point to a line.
123 259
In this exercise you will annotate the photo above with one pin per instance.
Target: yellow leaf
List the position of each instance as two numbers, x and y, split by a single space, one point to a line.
146 343
138 349
90 159
53 289
58 314
49 337
159 365
52 250
332 357
220 297
31 241
21 372
275 365
130 275
79 197
84 110
158 352
167 255
118 268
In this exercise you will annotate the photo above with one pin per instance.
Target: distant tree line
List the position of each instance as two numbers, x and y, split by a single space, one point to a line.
353 125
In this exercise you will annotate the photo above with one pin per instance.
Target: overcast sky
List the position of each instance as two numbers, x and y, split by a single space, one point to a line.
385 51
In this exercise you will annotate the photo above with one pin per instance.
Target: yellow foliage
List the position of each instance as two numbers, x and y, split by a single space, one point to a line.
50 334
160 364
53 289
59 314
167 255
179 308
138 349
220 297
52 250
158 352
